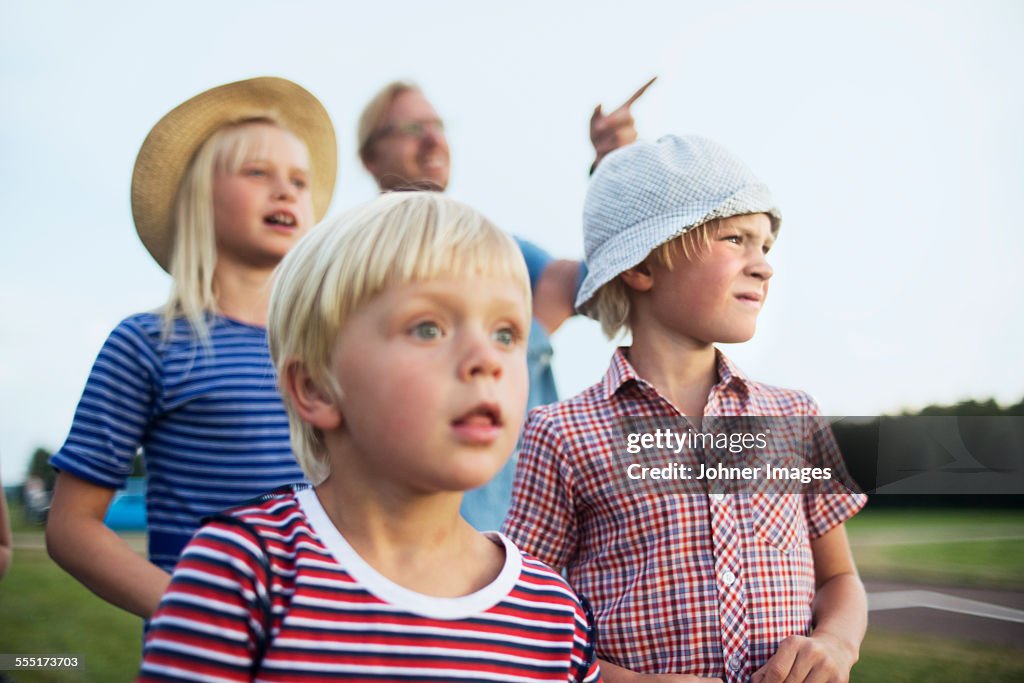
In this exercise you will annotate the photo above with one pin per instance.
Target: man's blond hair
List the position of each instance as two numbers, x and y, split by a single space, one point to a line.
398 238
375 111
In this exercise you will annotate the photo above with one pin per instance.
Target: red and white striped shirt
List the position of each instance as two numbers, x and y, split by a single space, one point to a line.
704 584
333 617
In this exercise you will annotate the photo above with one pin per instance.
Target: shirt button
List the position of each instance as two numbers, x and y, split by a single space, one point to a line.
728 578
735 663
718 496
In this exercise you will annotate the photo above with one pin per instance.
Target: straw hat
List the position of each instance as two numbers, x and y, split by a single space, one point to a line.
173 142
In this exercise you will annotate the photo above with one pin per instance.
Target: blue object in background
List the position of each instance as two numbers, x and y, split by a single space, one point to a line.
127 511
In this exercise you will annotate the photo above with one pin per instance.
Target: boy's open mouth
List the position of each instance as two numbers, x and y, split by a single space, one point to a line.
483 415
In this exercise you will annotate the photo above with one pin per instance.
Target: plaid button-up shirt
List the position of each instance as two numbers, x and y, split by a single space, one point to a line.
705 584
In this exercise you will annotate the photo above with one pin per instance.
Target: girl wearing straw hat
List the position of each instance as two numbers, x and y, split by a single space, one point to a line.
223 186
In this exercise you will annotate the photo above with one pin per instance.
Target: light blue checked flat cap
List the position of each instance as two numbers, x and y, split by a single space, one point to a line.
646 194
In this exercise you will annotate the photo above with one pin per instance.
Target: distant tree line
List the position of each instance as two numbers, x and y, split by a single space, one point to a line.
977 437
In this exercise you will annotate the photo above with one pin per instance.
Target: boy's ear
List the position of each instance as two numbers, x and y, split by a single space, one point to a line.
639 277
314 404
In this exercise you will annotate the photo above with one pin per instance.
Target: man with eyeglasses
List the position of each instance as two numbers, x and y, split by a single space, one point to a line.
402 144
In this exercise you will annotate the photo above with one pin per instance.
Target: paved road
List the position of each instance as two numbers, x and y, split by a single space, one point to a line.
976 614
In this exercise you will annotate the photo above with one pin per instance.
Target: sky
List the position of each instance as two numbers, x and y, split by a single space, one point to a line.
890 133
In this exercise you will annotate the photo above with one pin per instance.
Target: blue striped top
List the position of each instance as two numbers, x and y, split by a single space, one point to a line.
209 421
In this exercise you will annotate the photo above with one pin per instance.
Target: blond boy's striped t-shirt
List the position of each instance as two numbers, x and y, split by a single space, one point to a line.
319 612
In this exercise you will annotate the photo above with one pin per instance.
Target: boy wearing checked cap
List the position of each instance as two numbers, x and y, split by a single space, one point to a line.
685 586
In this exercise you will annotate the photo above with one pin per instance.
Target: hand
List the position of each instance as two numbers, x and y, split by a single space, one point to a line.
608 132
820 658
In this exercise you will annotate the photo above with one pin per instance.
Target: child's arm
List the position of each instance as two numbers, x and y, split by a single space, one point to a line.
616 674
840 620
79 541
555 295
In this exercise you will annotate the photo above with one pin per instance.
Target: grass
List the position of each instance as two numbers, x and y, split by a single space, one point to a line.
901 658
983 548
896 521
979 548
45 611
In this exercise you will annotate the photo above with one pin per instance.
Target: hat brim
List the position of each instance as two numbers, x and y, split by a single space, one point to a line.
629 248
174 140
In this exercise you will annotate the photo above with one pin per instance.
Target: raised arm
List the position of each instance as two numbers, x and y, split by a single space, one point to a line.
555 296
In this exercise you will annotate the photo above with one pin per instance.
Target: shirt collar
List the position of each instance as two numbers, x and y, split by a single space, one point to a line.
729 374
621 372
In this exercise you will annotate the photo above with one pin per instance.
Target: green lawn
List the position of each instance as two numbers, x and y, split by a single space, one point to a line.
901 658
45 611
982 548
978 548
896 521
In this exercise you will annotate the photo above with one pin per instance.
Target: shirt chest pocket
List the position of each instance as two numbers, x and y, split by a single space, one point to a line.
778 519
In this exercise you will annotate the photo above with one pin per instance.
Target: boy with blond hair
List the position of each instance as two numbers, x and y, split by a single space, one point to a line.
398 334
731 586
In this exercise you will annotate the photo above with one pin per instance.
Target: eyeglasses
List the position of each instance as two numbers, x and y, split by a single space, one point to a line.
415 129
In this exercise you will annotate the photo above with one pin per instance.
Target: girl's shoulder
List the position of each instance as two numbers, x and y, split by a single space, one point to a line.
148 323
153 328
137 332
150 330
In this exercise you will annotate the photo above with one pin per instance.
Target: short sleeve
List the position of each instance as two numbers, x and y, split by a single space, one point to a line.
542 519
115 409
536 260
211 619
824 511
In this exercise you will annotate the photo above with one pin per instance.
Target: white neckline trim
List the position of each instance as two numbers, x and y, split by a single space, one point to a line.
390 592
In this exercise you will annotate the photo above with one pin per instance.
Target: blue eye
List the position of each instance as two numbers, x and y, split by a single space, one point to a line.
735 239
506 336
427 330
299 183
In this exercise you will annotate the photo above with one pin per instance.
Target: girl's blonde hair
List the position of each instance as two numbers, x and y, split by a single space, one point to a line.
194 253
611 303
398 238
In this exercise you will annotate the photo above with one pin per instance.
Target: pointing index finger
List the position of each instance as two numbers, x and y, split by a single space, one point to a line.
635 96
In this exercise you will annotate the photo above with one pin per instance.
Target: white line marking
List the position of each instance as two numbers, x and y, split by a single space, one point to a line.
949 603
